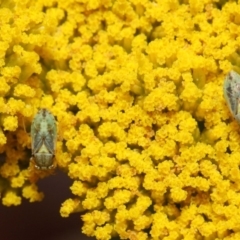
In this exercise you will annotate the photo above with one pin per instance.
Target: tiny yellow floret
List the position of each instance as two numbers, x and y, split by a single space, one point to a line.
11 198
69 206
31 192
10 123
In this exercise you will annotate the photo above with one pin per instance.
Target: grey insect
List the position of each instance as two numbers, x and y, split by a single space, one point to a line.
231 91
44 137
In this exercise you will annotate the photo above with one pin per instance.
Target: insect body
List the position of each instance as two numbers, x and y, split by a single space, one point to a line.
231 90
44 136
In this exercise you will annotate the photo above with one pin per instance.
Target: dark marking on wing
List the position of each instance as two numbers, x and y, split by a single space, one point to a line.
230 98
37 143
44 112
49 142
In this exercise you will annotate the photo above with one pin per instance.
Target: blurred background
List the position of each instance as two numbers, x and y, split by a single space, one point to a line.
42 220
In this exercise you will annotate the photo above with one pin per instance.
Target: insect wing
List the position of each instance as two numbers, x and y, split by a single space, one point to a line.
35 133
51 137
37 142
50 140
231 90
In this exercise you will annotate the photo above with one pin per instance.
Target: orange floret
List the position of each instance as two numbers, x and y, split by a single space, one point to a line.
9 170
3 139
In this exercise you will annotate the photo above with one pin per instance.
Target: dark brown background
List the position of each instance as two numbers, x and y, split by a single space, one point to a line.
42 220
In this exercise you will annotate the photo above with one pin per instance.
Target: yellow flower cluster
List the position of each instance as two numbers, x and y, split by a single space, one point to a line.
143 129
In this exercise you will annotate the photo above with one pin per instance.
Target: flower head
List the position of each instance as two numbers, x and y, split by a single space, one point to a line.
136 90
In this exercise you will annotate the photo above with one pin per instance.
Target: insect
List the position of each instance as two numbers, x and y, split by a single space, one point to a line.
231 90
44 137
